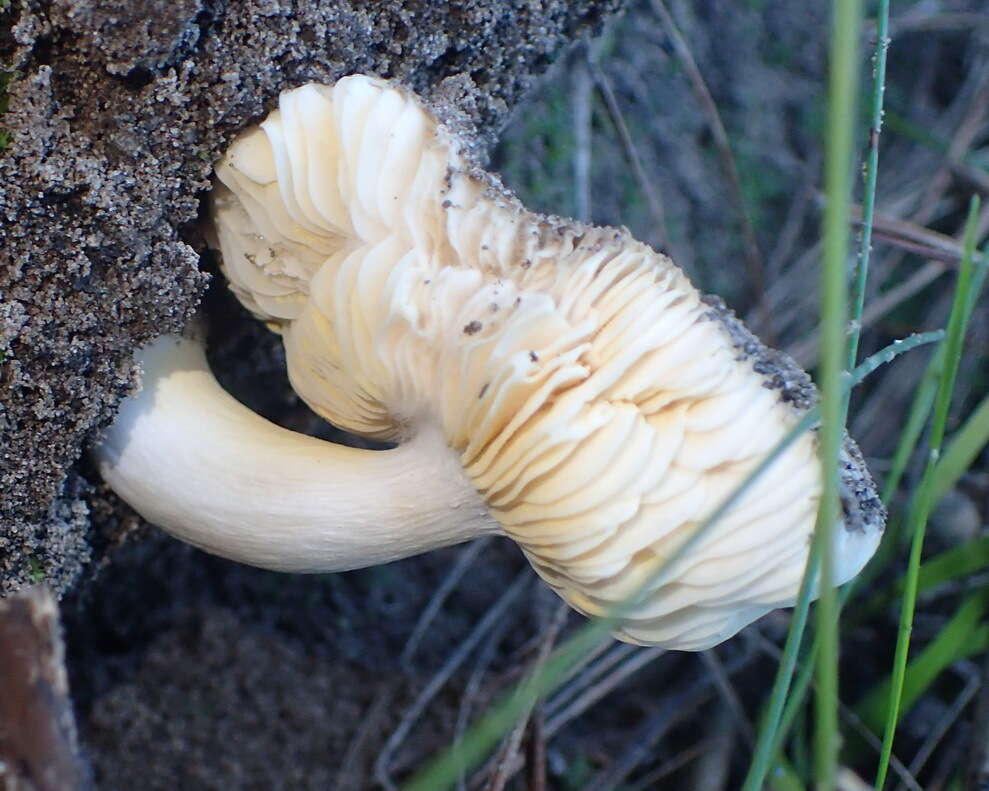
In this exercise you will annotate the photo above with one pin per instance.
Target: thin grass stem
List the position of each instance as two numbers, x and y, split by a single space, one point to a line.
783 706
957 324
767 742
844 59
777 720
923 399
871 177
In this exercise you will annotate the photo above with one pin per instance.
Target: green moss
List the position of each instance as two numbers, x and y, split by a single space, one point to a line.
536 158
37 571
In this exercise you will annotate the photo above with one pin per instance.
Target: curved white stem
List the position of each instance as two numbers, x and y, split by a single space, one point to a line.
193 460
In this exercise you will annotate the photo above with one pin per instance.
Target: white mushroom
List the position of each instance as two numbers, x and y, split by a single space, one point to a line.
560 382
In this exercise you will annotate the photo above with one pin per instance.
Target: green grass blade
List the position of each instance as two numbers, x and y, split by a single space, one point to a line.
922 404
965 446
957 323
949 566
766 742
844 60
954 564
966 562
959 455
920 409
963 635
786 779
953 645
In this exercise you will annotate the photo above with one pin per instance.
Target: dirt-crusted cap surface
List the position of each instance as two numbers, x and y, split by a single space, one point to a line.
117 110
862 509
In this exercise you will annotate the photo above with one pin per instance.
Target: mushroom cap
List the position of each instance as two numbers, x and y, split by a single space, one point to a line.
599 404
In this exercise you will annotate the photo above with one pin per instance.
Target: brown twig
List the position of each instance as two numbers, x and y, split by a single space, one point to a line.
347 775
946 720
907 246
902 232
938 248
671 711
712 770
805 352
650 780
753 258
592 669
536 752
977 776
38 749
465 560
581 100
922 20
649 191
557 719
732 702
472 690
961 141
594 693
382 766
509 752
796 218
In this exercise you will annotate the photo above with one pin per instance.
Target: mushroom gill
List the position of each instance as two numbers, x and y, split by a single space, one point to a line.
600 406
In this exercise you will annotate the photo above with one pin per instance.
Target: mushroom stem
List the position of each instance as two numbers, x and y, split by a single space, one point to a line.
194 461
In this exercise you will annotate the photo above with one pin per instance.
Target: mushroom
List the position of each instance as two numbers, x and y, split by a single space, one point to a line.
559 383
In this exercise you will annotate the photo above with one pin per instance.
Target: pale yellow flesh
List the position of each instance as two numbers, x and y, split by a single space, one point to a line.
596 406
